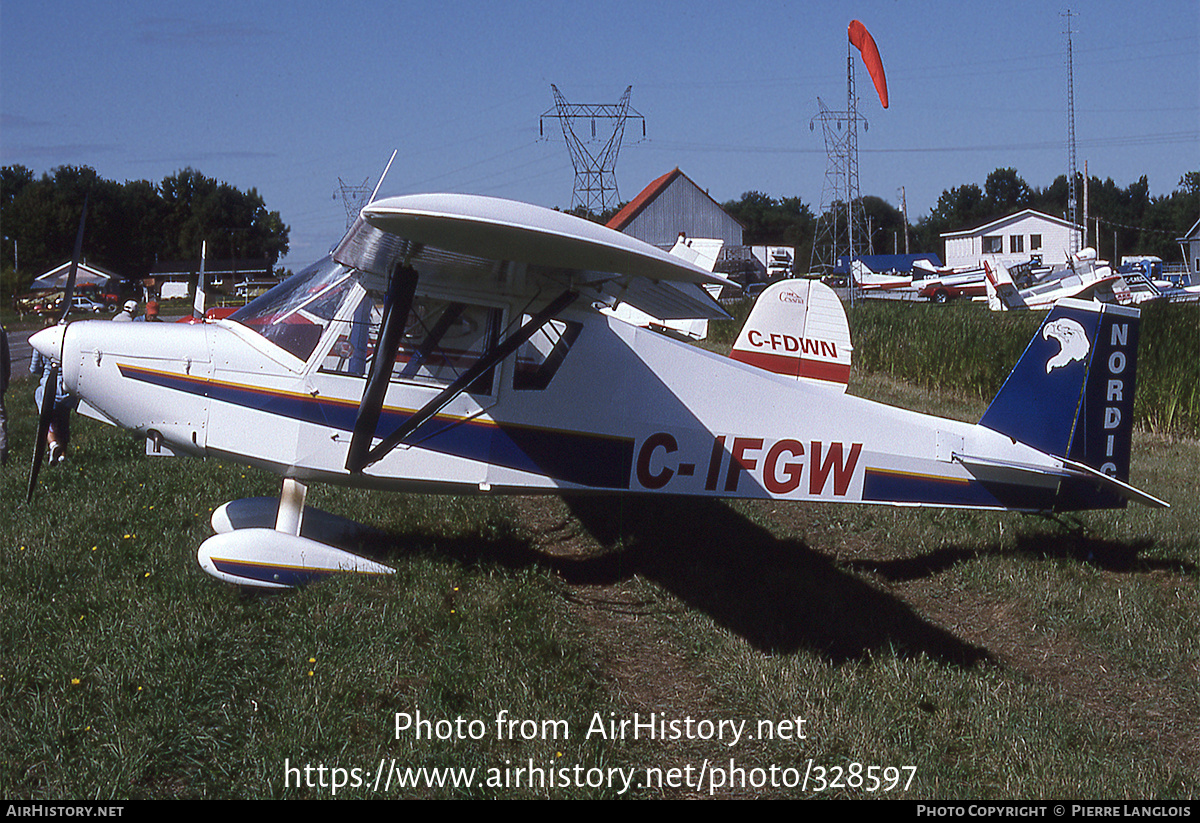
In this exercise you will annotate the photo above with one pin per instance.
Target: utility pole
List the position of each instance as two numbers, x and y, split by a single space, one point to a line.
1072 201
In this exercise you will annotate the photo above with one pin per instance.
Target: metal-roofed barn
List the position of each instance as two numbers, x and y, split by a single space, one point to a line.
674 204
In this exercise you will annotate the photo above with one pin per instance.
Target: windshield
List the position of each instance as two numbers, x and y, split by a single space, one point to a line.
294 314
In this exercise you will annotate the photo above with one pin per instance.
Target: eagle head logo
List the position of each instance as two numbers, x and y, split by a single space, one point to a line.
1073 343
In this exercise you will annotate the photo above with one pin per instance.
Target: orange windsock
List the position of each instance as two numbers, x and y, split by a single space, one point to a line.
862 40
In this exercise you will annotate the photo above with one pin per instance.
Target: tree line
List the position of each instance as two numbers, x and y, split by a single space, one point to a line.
1129 217
135 224
131 225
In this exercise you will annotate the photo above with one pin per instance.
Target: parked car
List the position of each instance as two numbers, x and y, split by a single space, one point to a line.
81 302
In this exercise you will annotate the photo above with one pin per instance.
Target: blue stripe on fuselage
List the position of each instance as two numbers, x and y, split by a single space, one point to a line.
584 459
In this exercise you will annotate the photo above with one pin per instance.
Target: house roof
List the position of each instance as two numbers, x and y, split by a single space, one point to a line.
647 196
168 268
1012 218
85 275
635 206
882 263
1192 234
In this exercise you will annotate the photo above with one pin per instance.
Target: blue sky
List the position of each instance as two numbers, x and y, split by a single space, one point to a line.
289 97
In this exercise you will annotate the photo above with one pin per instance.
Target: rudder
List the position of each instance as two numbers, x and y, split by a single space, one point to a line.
1071 394
798 328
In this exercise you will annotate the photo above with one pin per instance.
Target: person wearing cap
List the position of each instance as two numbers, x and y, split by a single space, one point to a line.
151 315
126 314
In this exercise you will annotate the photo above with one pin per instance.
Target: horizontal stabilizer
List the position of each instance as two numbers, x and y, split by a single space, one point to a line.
990 468
1112 484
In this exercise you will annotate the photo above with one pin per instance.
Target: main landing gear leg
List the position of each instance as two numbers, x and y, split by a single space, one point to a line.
291 507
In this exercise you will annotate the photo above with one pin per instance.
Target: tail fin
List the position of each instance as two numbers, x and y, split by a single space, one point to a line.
1002 293
1071 395
798 328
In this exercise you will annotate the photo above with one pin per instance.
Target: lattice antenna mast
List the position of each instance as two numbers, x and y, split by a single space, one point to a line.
841 190
1072 195
354 198
595 171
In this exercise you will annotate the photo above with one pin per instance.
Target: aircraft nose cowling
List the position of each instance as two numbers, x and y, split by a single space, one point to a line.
49 342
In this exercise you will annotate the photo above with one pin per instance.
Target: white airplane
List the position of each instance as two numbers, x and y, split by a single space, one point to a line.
1083 277
941 285
868 280
454 344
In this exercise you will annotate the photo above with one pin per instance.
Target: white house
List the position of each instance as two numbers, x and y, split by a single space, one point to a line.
1013 239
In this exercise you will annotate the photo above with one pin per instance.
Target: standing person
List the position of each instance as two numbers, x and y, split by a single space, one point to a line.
151 315
5 373
126 314
59 435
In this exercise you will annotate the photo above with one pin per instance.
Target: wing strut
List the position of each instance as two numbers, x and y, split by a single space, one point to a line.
489 359
398 304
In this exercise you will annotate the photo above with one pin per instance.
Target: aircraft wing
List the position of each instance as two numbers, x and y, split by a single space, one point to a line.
463 237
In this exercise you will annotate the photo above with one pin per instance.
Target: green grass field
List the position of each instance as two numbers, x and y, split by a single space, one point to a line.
866 651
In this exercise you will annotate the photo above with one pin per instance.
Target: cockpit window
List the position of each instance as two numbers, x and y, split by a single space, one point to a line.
442 340
539 357
294 314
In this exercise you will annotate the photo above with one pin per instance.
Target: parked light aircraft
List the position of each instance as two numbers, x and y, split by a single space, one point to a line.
1084 276
868 280
941 285
453 343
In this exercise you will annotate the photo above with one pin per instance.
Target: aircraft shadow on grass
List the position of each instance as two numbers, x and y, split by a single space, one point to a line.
780 595
1077 545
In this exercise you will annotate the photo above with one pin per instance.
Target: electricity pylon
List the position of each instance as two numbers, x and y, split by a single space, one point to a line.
595 171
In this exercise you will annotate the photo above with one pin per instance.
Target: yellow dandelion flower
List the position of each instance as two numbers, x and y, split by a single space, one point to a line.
74 681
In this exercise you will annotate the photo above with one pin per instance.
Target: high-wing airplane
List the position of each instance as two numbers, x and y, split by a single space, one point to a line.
455 344
1084 276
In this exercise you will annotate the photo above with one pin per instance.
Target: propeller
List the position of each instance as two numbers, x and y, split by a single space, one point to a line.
50 387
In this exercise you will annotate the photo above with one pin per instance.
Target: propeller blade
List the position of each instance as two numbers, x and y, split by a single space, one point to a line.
50 389
402 287
49 393
70 289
